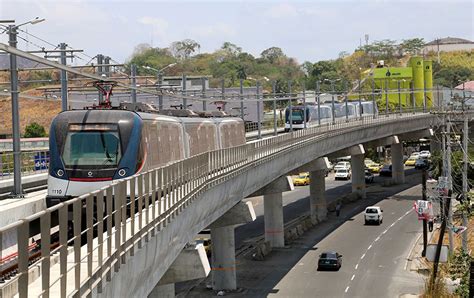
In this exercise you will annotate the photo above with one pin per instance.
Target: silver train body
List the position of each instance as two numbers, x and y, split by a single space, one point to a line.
89 149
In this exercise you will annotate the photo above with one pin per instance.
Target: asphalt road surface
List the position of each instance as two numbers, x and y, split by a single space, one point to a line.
374 257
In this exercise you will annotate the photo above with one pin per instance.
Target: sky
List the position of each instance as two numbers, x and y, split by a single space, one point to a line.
306 30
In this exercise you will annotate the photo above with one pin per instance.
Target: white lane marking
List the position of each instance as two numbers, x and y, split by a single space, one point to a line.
370 246
347 289
352 278
384 232
363 256
392 225
377 239
357 266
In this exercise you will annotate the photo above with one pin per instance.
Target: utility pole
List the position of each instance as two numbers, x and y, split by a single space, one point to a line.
223 93
259 125
304 105
465 198
203 95
425 224
159 89
345 100
100 71
133 74
63 46
290 107
64 53
185 100
450 183
17 187
319 103
107 67
275 132
241 92
373 97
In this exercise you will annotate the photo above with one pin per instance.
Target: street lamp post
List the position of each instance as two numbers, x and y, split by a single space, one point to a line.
12 41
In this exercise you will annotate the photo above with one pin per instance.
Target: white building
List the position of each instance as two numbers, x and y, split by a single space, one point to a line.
448 44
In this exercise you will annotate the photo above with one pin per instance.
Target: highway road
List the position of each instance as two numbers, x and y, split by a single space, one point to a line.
374 257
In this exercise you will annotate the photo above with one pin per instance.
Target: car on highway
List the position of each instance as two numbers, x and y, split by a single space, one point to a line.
386 170
330 260
369 177
421 163
342 174
410 162
415 155
425 154
374 167
342 165
301 179
373 214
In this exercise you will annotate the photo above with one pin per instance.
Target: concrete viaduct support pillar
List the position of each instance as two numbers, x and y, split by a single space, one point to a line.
223 245
357 153
273 218
317 196
317 187
358 175
273 209
398 168
223 258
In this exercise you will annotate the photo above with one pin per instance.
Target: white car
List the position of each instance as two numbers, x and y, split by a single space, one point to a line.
342 174
342 165
425 154
373 214
415 155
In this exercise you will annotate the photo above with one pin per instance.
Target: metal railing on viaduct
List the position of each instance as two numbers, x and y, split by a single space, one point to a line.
168 206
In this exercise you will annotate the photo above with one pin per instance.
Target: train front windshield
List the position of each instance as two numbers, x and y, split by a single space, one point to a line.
297 115
96 147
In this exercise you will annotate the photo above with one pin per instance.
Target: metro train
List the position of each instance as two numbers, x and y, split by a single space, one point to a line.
89 149
312 117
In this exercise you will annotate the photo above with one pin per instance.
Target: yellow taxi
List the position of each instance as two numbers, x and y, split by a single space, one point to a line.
410 162
374 167
301 179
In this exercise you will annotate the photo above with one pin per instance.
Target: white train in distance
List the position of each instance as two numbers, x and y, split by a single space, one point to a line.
313 118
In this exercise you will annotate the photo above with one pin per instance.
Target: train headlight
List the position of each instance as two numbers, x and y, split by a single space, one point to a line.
122 172
60 173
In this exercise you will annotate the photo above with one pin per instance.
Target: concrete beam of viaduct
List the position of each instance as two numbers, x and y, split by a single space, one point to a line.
192 263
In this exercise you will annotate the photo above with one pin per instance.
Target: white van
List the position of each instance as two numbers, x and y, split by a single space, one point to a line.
373 214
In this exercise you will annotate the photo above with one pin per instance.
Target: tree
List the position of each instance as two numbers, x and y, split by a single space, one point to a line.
272 54
231 49
412 46
34 130
184 48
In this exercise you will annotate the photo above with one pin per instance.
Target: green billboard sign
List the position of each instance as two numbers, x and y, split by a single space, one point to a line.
392 73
